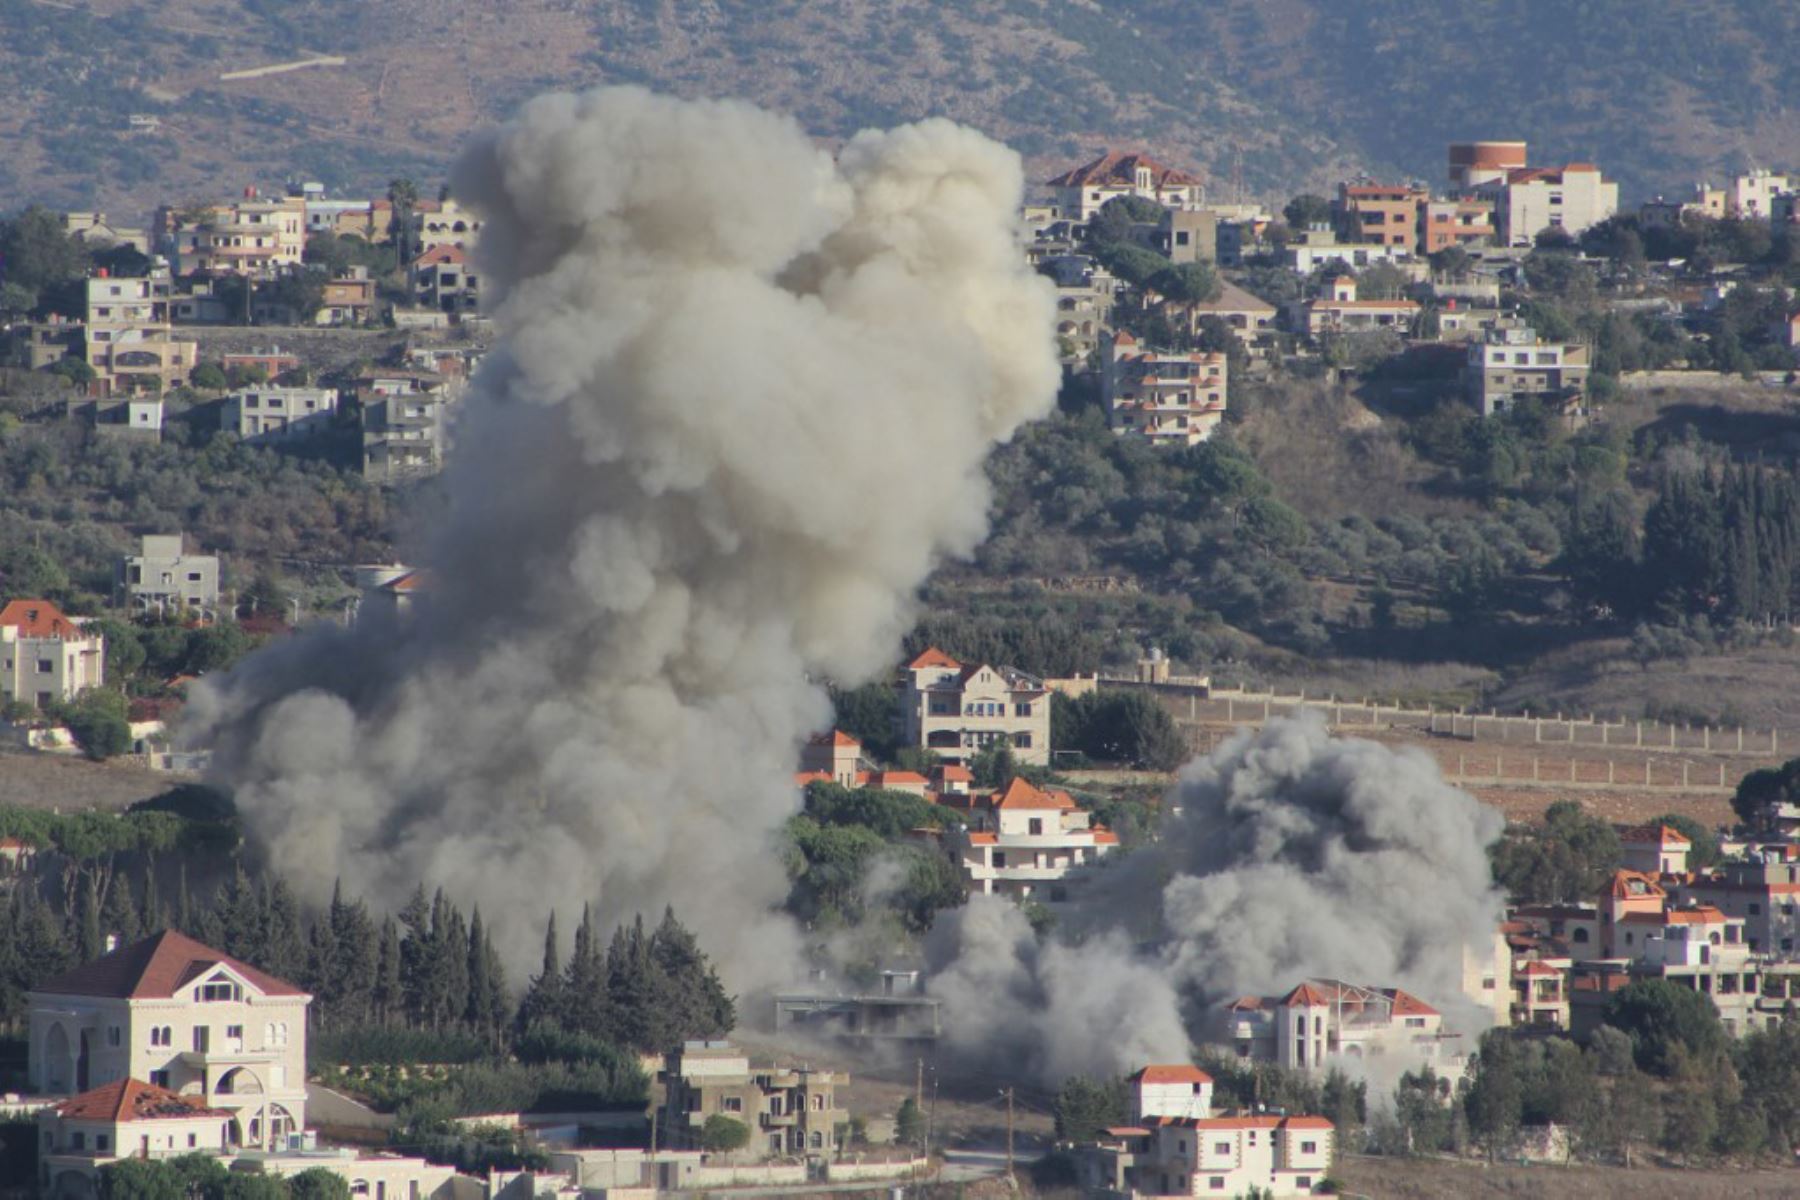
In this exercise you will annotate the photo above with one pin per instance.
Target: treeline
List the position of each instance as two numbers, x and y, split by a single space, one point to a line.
1723 543
851 862
1572 854
204 1177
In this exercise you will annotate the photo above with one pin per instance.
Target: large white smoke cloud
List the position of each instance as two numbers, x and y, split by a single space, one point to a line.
1286 854
740 412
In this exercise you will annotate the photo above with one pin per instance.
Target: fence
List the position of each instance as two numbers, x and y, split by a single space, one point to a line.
1235 706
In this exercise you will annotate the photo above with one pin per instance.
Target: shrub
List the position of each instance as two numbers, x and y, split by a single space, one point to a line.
722 1135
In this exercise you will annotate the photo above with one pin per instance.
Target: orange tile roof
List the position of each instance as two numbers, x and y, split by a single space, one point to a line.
13 843
1305 994
1171 1073
888 779
131 1100
1657 835
1310 1123
835 737
441 255
1620 886
933 657
1125 1131
1406 1004
802 778
1245 1122
1247 1004
38 619
1120 167
983 839
154 968
1537 968
1020 794
1105 837
953 773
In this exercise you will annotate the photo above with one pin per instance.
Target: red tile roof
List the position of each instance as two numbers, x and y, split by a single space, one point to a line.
1104 836
835 737
1305 994
933 657
953 773
132 1100
897 779
1019 794
1538 968
1309 1123
1621 886
1654 835
1406 1004
441 255
983 839
1120 168
155 968
38 619
1171 1073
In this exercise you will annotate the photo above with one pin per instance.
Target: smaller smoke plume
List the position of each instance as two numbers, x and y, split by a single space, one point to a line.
1287 854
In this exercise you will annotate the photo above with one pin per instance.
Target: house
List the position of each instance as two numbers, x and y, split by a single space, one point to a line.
348 298
441 279
45 657
1167 399
98 233
186 1019
1085 190
128 340
1762 889
1540 996
404 419
1457 222
789 1110
1265 1155
270 415
1751 195
1529 200
251 236
1326 1020
162 578
1315 248
834 756
444 223
126 1118
1655 850
957 711
1339 310
1025 842
1252 319
133 415
16 855
388 594
39 344
1085 293
1512 363
1178 1090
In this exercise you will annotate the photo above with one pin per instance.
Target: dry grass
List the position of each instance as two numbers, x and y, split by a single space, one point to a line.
75 784
1760 686
1405 1179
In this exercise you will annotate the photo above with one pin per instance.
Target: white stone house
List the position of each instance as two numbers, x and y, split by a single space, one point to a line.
45 657
1025 841
126 1118
957 711
185 1018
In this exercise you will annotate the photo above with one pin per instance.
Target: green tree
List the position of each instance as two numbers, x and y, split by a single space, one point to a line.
723 1135
1671 1027
140 1179
909 1124
1496 1098
254 1185
97 722
209 377
1187 283
1086 1106
1703 843
202 1176
317 1183
1760 793
37 253
871 714
1307 210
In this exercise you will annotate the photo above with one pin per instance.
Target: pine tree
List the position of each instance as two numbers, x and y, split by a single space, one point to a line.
323 970
184 905
454 948
416 956
543 1001
358 958
694 997
390 988
480 1000
586 1000
155 920
119 915
632 991
283 950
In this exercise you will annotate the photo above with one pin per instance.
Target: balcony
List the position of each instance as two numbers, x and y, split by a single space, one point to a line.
783 1120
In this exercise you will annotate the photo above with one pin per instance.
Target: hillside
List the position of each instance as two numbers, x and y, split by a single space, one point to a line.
1280 94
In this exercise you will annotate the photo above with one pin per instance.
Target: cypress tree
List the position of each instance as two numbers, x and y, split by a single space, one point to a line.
543 998
476 1014
154 918
90 944
390 988
119 915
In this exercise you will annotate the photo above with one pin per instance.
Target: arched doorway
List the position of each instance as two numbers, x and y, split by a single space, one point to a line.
281 1126
57 1073
81 1065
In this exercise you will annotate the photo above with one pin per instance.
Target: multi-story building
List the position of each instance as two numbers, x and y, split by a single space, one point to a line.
957 711
789 1111
1167 399
348 298
1239 1155
834 756
1475 163
128 337
1762 890
405 423
1325 1020
1085 190
251 236
161 577
442 280
272 415
1177 1090
1751 195
1025 842
1249 317
1529 200
1510 363
1311 249
1655 850
1380 213
1540 997
1460 222
185 1018
444 223
46 658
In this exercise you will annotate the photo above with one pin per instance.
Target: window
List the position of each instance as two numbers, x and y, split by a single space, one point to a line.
1309 1147
46 665
1221 1147
102 1142
78 1141
235 1032
818 1103
1415 1022
1000 859
1303 1182
192 1141
1216 1183
202 1039
1022 710
818 1141
733 1104
1036 826
218 990
161 1080
114 1035
1755 909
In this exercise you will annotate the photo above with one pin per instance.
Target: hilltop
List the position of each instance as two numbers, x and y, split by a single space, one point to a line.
1265 97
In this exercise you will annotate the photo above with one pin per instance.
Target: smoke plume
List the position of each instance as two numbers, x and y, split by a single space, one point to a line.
1286 854
739 412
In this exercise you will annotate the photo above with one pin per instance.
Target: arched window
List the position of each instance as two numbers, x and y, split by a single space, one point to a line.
1580 936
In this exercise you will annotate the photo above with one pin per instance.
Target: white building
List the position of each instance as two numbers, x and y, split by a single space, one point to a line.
162 577
188 1020
1338 310
126 1118
1751 195
1084 191
1025 842
1529 200
1167 399
1226 1156
1325 1020
957 711
128 340
269 415
1655 850
44 656
1178 1090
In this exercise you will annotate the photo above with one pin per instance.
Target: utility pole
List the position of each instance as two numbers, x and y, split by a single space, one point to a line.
919 1085
1009 1133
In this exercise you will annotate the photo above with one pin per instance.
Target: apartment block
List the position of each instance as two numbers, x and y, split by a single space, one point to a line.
1167 399
162 577
1025 842
1511 363
251 236
266 416
1380 214
790 1111
405 418
128 340
957 711
1572 198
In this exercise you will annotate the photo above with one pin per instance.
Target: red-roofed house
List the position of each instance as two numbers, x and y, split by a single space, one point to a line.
1323 1020
1025 841
1085 190
124 1119
45 657
835 754
1231 1155
1540 996
191 1020
442 280
957 711
1171 1090
1655 850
